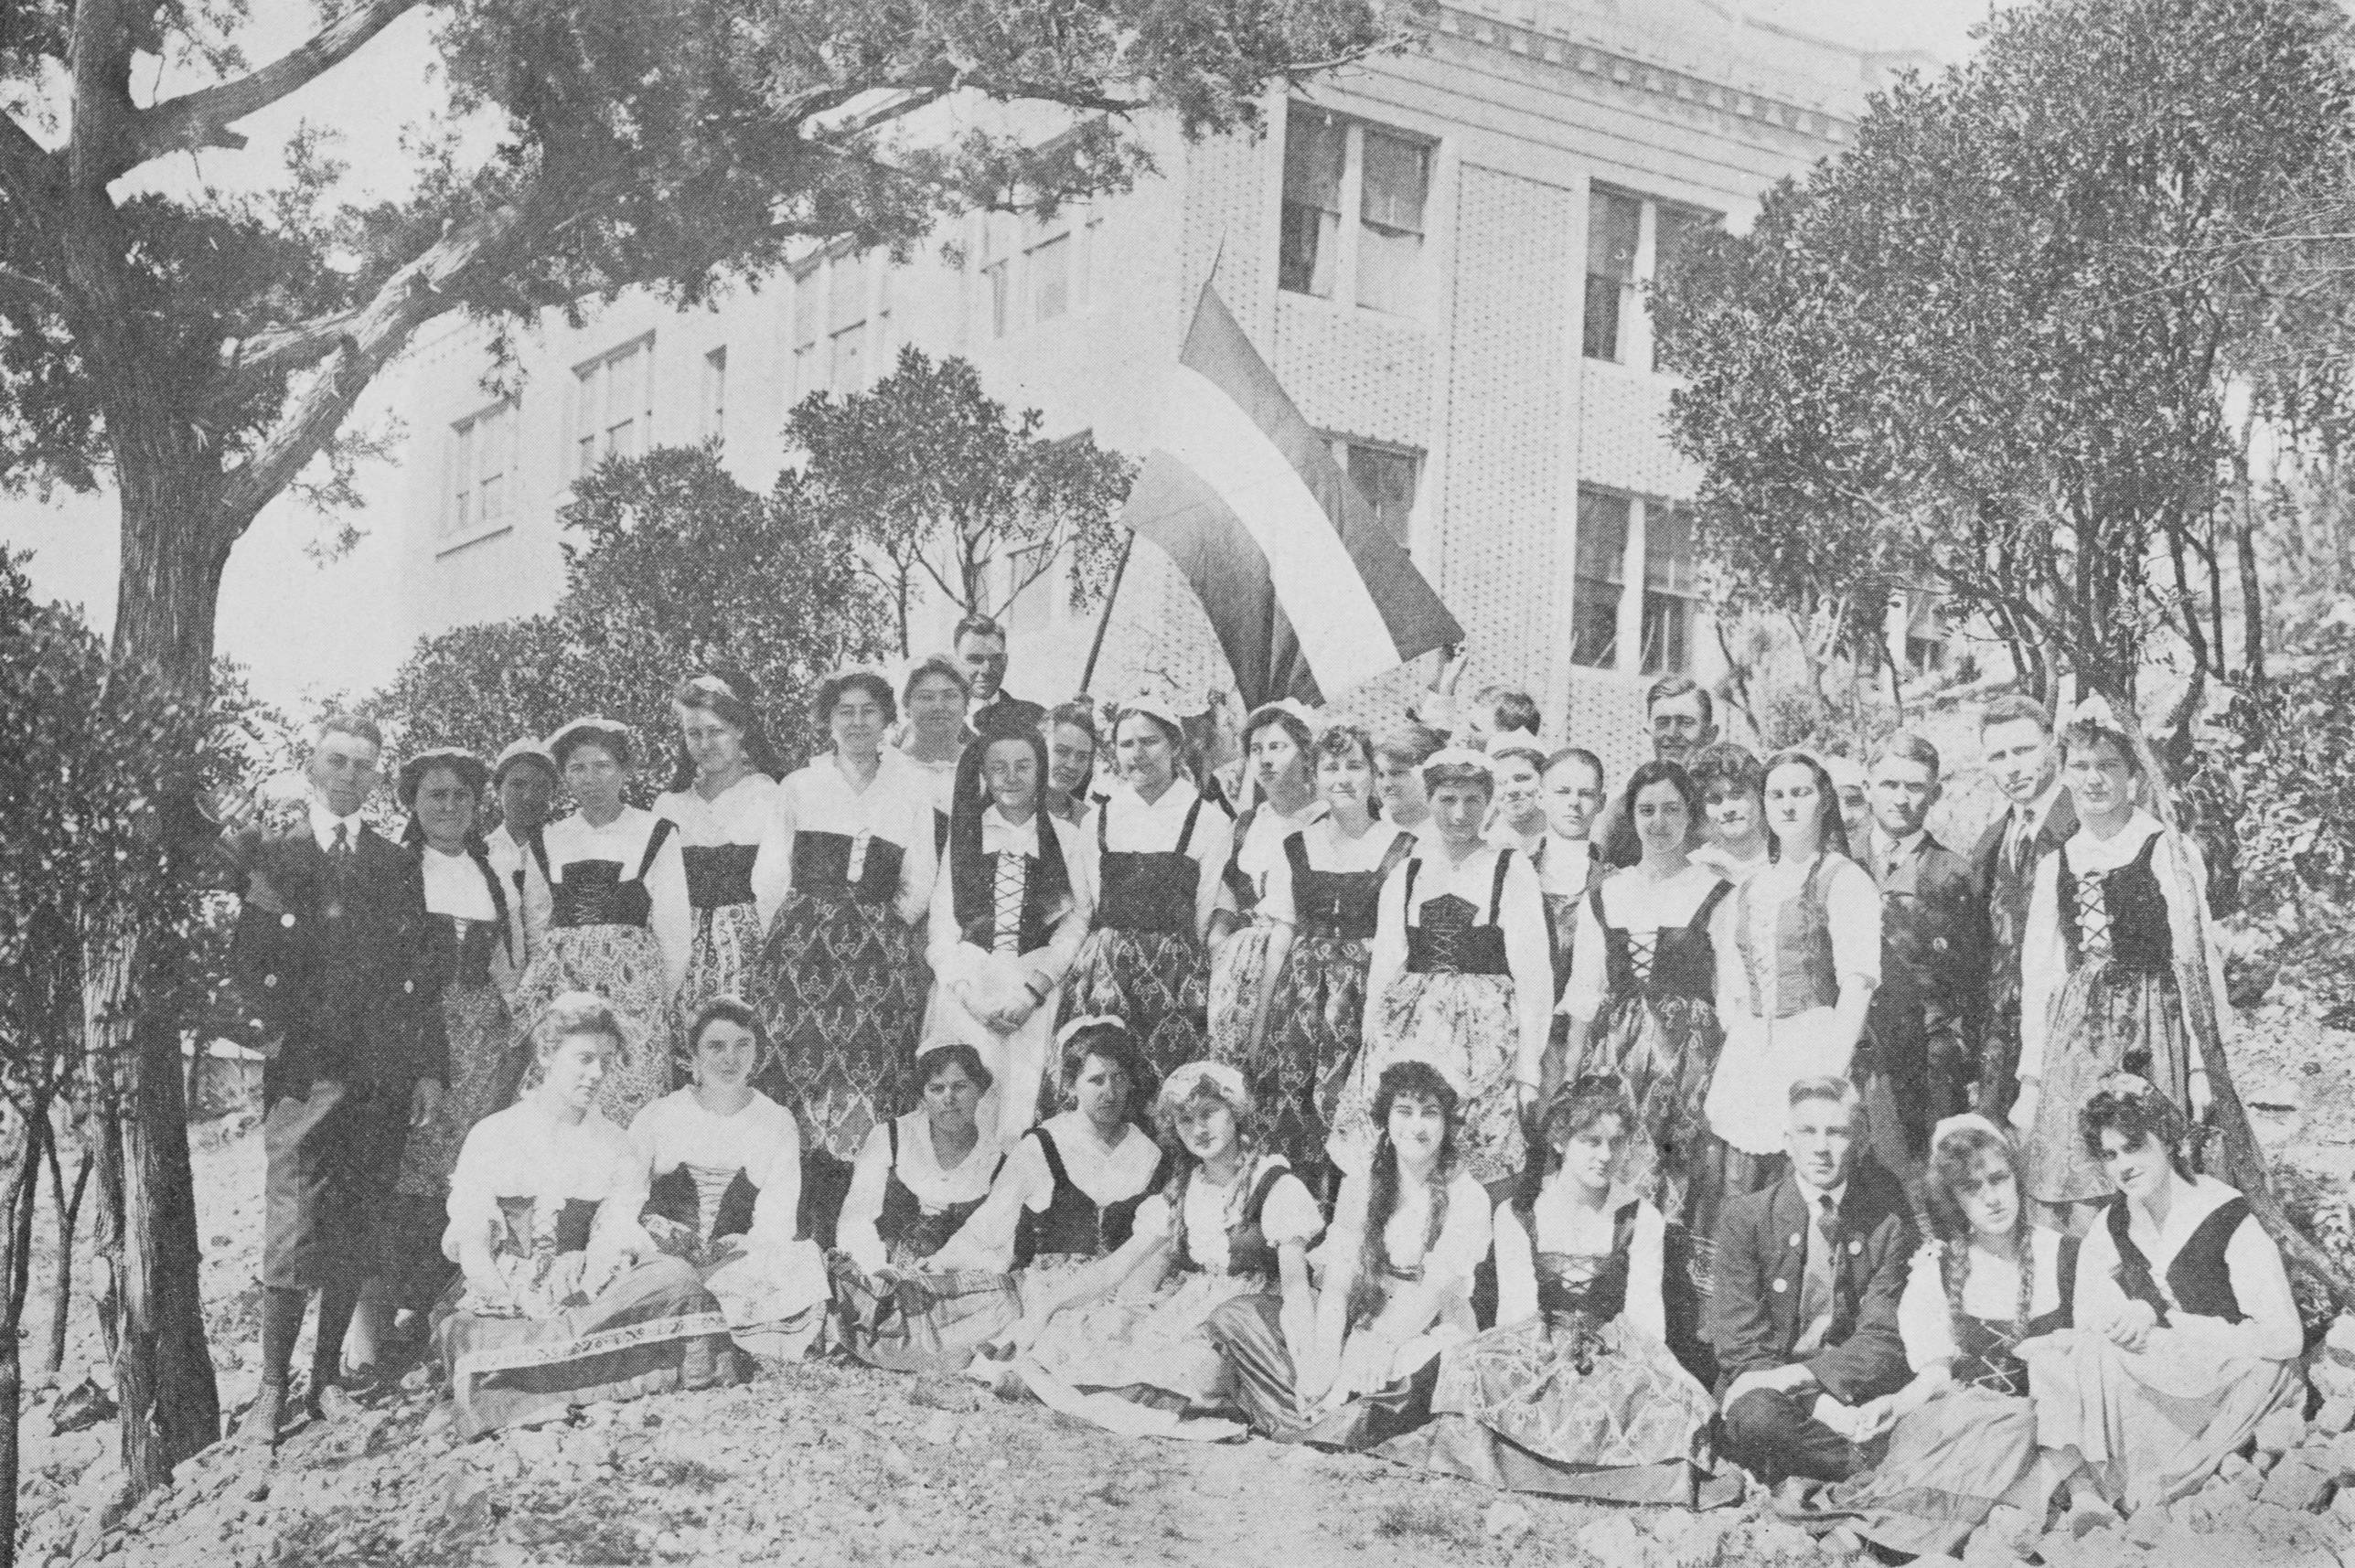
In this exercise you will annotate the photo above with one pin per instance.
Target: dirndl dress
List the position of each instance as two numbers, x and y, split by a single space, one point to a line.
841 985
923 1321
1574 1401
1144 963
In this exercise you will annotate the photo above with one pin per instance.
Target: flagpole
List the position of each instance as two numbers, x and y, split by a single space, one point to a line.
1104 622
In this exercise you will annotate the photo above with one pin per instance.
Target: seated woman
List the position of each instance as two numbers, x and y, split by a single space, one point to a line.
1396 1291
562 1299
1961 1434
1575 1393
2186 1336
1069 1191
921 1177
1233 1221
723 1167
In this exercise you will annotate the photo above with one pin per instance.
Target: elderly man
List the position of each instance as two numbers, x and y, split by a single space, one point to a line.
1803 1313
2016 738
980 648
332 958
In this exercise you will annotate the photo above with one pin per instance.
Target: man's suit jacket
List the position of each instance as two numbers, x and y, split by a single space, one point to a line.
337 968
2003 920
1760 1269
1933 990
1006 714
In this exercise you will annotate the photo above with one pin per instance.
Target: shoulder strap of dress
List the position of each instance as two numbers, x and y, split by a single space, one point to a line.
1594 902
1622 1226
1295 853
663 828
1103 816
1192 813
1054 1155
537 842
1400 847
2067 1265
1413 867
1709 901
1497 885
1277 1170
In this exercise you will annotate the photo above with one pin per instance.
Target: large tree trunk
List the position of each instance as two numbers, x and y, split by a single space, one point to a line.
69 1216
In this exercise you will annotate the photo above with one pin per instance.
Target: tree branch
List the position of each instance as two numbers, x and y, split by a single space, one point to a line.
201 119
27 170
251 360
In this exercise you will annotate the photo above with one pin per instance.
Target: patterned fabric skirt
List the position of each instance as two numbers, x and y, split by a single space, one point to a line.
1156 981
623 964
1948 1464
720 963
653 1330
1150 1351
1248 1332
1665 1051
1235 971
1315 1030
842 987
2104 1020
774 1300
1465 1026
924 1322
1512 1409
485 1068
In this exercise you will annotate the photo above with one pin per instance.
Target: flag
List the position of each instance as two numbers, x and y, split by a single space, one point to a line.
1307 591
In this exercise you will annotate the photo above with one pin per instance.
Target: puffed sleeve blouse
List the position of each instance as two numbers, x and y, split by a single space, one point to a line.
524 1152
1290 1218
1520 909
1925 1317
761 1140
895 807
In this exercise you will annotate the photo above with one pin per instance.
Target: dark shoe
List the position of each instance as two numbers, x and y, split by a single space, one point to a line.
259 1428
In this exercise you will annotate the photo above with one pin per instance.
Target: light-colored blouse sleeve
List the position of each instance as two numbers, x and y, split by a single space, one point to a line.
1388 957
952 957
1647 1257
1062 950
473 1203
1852 909
776 1213
1463 1236
1290 1216
773 865
1590 964
671 917
2043 965
854 1231
1276 897
1214 841
2099 1298
1924 1320
2269 1327
1530 956
1517 1268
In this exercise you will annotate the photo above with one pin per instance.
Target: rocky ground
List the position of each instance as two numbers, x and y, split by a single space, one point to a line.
826 1463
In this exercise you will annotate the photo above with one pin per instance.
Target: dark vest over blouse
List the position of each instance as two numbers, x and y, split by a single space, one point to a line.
573 1222
1683 959
719 875
673 1196
1449 938
1988 1351
1072 1221
904 1229
2199 1278
1147 890
1248 1251
1340 906
821 867
1037 928
1799 949
1579 1286
2119 914
592 893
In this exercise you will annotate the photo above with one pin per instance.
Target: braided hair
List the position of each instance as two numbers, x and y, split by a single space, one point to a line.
1167 1111
1400 1080
1954 1164
972 876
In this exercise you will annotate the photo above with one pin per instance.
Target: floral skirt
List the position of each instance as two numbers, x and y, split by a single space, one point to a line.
1236 972
485 1068
2105 1018
1248 1332
1156 981
726 949
1665 1051
1150 1351
623 964
1948 1464
1465 1026
1315 1031
925 1322
842 987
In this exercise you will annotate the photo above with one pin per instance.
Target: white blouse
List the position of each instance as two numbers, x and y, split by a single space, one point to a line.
1640 904
739 814
1329 849
953 958
455 886
623 841
1290 1216
1462 1241
1516 1257
1023 1181
1261 852
1132 826
761 1140
1521 910
1925 1319
895 807
525 1152
1565 866
920 1171
2269 1327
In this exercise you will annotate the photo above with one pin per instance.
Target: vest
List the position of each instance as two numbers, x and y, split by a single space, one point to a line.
1683 960
593 891
1447 940
1147 890
2131 900
673 1196
821 869
1340 906
1805 976
719 875
1247 1251
904 1229
1072 1221
2198 1279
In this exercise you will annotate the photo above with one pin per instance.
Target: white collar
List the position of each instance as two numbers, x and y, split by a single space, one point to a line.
1814 1197
1000 836
323 823
1899 848
1180 795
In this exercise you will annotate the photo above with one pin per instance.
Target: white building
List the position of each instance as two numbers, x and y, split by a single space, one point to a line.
1401 248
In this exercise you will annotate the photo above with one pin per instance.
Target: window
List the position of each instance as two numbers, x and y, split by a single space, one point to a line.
1603 523
1386 478
1630 240
715 394
846 323
1671 585
806 363
482 461
1050 277
613 405
997 287
1329 163
841 319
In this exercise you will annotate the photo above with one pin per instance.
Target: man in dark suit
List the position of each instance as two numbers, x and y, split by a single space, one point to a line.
332 958
1932 978
2016 733
980 648
1804 1311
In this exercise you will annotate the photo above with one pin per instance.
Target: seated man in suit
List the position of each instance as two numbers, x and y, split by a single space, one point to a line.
980 648
1803 1313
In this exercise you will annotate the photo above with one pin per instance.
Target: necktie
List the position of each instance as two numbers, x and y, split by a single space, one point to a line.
2020 840
343 839
1815 1283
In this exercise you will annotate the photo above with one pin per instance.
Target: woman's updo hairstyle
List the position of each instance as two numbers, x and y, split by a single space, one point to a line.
1109 1038
931 1063
729 696
834 688
2135 1109
1578 1105
940 665
575 1012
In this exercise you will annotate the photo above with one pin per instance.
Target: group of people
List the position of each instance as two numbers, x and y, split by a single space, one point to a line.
1418 1093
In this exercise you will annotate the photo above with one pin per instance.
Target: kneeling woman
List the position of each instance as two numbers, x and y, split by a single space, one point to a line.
919 1180
1574 1392
724 1166
1235 1221
2189 1335
1986 1284
564 1299
1396 1291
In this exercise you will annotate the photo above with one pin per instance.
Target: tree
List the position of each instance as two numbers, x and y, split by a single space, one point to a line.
674 567
1991 350
199 352
942 486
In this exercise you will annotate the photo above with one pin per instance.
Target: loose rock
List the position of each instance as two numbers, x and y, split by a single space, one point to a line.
2281 1431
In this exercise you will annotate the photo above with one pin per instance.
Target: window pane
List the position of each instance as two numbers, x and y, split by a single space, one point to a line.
1307 250
846 292
1388 269
715 391
1668 548
1668 632
1602 535
492 489
1050 278
805 310
996 277
1314 145
1397 172
588 452
1386 480
1673 230
850 354
1594 625
1603 296
1612 221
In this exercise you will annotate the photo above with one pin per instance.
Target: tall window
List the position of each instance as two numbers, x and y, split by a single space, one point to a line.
1630 240
1387 476
1601 576
1329 166
997 282
1926 632
613 405
807 367
1050 276
1671 587
715 394
841 320
482 463
846 323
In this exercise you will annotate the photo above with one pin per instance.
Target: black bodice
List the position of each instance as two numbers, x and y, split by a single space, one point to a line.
2199 1278
573 1222
1072 1221
1247 1251
673 1196
2132 905
904 1227
1450 938
1683 960
821 869
719 875
594 892
1575 1286
1147 890
1340 906
463 949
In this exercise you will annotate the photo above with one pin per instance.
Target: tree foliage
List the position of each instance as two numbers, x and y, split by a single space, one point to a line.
943 485
673 568
1991 351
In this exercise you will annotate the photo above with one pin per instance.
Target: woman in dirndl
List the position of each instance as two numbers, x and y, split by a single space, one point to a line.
1121 1341
936 697
1277 740
1575 1393
2120 970
1071 748
1986 1285
1322 908
1461 976
606 909
721 797
524 783
1160 849
562 1299
1798 955
723 1187
478 933
843 875
919 1180
1008 911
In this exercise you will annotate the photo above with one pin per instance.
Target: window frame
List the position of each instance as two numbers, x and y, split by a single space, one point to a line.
459 527
1343 446
1632 337
598 426
1350 273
